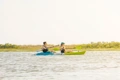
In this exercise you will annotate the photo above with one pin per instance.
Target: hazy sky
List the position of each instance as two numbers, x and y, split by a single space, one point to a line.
54 21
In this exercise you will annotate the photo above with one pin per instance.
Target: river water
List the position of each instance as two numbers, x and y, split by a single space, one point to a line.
94 65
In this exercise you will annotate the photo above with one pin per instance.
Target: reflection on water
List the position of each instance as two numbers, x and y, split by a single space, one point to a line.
96 65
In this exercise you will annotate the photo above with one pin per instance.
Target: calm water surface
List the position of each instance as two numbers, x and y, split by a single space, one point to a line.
94 65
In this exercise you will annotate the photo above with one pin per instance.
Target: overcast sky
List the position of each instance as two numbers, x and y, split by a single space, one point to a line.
55 21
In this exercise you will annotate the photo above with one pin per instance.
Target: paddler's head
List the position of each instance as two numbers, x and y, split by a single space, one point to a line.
62 43
45 43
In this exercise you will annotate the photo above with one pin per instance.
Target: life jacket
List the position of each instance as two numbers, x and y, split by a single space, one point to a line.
62 50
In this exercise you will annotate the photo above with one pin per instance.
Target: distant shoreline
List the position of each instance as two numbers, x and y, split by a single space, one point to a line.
93 46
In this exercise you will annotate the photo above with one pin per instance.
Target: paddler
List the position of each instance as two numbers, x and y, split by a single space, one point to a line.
44 47
62 48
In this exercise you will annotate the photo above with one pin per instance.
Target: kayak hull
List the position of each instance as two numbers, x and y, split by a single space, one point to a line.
44 53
